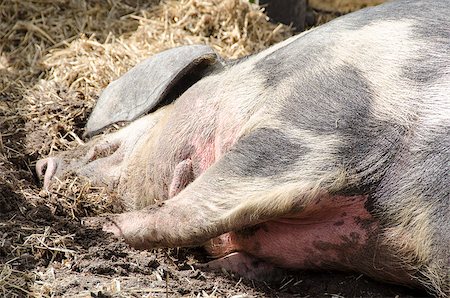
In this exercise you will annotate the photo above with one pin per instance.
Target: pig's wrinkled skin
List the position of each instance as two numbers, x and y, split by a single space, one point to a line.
328 150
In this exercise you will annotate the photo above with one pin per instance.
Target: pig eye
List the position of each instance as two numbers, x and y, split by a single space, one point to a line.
103 150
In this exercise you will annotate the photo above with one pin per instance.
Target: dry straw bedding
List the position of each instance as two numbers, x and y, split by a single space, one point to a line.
55 58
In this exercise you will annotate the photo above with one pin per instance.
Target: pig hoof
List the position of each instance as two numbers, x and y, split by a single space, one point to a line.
110 226
46 168
96 222
102 222
245 266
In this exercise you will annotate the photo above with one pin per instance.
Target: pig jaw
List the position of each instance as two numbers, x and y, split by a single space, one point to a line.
335 233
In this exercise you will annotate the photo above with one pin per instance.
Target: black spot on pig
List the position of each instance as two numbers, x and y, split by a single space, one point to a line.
250 231
338 102
338 223
286 62
427 67
265 152
340 105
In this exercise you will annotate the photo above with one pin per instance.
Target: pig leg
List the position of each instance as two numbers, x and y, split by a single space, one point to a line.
232 258
245 265
265 176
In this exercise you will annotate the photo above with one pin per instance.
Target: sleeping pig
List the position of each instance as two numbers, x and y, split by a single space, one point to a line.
330 150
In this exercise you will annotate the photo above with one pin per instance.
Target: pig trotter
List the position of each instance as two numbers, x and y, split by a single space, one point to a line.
134 228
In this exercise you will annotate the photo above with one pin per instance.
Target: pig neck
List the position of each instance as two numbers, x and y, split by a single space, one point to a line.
137 184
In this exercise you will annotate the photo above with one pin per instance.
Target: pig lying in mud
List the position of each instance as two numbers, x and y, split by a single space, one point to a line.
329 150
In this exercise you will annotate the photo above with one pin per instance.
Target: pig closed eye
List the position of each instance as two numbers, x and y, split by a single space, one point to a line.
103 150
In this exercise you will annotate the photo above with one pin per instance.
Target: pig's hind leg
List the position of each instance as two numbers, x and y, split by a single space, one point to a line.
245 265
266 175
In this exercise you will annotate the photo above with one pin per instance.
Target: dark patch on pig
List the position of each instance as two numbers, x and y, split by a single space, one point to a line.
423 69
366 224
330 103
339 103
347 244
429 66
265 152
339 223
369 204
248 232
355 189
288 60
297 207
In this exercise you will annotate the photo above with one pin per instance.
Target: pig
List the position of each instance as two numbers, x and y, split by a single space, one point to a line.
329 150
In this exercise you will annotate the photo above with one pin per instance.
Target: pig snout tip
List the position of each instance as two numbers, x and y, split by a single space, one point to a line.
46 168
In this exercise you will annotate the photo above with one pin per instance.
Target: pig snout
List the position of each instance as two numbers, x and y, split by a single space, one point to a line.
46 169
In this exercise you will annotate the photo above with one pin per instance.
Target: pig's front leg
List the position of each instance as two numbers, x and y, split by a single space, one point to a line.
265 176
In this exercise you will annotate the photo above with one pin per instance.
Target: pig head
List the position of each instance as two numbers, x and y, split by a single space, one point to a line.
116 160
328 150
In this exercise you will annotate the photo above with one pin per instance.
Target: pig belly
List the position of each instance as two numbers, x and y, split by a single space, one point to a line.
333 232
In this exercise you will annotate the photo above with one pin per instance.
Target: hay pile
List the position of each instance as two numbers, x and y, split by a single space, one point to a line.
55 58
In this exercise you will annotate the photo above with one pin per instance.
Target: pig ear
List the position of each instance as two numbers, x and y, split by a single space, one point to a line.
153 82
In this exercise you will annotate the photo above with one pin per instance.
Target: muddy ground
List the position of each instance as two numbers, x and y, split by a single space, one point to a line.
55 57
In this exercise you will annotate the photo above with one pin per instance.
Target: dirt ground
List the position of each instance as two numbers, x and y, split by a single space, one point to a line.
55 57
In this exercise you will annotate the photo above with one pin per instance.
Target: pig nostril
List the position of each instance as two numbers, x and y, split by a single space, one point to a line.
46 168
41 167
